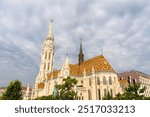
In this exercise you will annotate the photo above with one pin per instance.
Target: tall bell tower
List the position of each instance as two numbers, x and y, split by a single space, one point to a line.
47 55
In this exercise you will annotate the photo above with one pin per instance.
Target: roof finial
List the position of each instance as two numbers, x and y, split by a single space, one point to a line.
50 33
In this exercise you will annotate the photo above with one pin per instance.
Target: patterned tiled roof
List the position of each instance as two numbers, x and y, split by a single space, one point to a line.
53 74
99 63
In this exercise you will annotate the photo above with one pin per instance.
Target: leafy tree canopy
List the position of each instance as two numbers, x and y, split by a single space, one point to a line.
132 92
13 91
64 91
108 96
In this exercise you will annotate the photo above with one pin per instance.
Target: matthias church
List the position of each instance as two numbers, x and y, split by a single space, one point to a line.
95 76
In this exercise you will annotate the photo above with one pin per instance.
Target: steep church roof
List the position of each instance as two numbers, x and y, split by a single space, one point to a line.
53 74
99 63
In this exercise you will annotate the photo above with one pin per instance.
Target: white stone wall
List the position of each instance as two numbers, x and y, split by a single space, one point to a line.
84 87
145 82
96 90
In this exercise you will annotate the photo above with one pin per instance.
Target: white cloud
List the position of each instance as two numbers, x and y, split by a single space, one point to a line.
120 28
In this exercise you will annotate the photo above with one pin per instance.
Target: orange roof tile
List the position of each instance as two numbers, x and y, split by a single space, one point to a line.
53 74
99 63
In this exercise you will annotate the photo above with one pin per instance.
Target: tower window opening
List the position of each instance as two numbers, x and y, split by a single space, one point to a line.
44 66
45 55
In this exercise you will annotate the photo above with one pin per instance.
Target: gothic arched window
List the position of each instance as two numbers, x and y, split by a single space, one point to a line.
89 81
48 67
115 80
45 55
49 56
104 81
98 81
110 81
44 66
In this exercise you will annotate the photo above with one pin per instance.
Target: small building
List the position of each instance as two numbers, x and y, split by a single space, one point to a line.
2 90
132 77
26 93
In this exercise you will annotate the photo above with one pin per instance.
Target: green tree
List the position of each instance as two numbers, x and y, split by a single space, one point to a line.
13 91
63 92
132 92
147 98
108 96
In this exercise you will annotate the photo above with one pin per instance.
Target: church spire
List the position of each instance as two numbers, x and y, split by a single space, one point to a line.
67 59
81 55
50 32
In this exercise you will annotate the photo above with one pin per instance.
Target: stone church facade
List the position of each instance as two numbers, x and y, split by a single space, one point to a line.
95 76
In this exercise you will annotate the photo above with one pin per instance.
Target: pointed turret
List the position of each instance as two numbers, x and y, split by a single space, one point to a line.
65 68
67 60
28 89
81 55
50 32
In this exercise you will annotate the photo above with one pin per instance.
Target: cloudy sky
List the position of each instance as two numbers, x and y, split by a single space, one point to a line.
120 27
